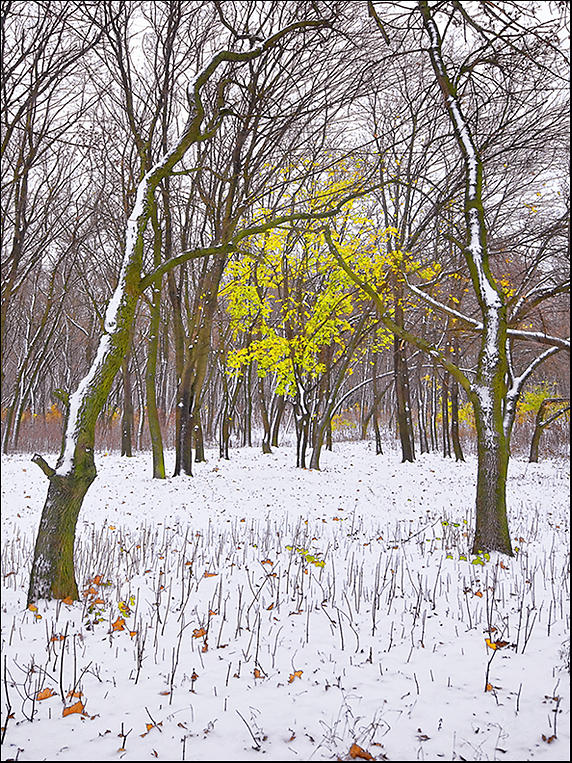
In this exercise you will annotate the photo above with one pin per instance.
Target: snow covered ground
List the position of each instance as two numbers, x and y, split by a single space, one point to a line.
260 612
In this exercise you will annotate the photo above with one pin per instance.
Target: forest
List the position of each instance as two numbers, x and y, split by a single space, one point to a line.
271 271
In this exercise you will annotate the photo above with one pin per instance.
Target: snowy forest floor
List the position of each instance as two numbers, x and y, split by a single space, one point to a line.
257 611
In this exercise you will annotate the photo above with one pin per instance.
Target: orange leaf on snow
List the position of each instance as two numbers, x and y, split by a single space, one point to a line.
296 673
32 608
198 632
358 752
45 694
266 561
118 625
257 673
77 708
210 574
489 687
490 644
479 594
77 694
67 600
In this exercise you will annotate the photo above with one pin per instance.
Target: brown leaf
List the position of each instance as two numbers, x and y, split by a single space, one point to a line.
358 752
549 739
118 625
45 694
77 708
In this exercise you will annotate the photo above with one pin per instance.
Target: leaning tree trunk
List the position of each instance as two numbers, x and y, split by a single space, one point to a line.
52 573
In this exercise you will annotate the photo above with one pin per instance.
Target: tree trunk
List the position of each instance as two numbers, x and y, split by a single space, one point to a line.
199 438
264 414
455 439
445 416
279 405
491 531
53 575
127 417
404 421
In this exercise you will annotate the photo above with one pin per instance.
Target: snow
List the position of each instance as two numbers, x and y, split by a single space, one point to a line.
389 634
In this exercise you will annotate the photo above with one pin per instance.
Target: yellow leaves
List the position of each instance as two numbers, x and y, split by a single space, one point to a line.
32 608
295 674
494 645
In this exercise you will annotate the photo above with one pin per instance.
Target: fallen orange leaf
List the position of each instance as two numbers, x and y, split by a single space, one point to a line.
479 594
45 694
490 644
210 574
74 694
32 608
358 752
198 632
296 673
118 625
257 673
67 600
77 708
489 687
